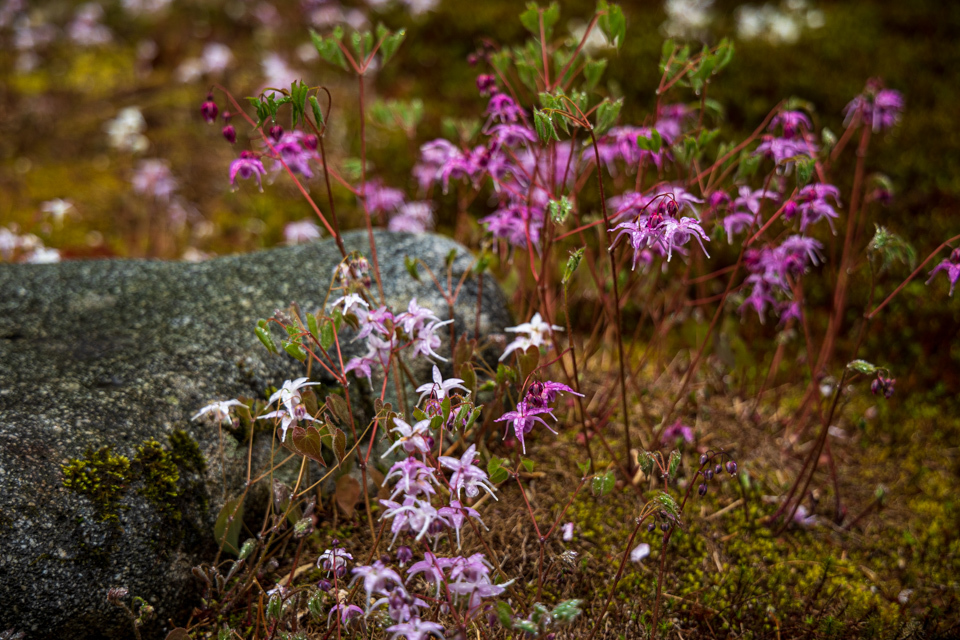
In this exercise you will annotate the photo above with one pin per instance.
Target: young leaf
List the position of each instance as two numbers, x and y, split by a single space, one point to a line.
295 349
674 465
584 467
339 445
327 335
527 464
653 144
391 43
263 332
504 614
544 126
607 113
862 366
592 72
612 23
226 531
603 484
312 325
530 19
572 263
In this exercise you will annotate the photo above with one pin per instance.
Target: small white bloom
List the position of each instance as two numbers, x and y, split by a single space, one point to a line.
220 410
536 332
440 386
640 552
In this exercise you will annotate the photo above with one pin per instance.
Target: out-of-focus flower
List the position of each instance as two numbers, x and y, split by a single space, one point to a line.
126 131
676 432
880 108
57 209
247 166
153 178
952 266
86 29
219 409
301 232
412 217
640 552
532 334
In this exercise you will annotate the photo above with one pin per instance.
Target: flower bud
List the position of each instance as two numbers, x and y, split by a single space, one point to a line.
708 474
116 595
310 142
324 585
665 526
229 134
702 490
276 132
717 469
731 467
651 526
703 460
404 555
340 571
209 110
385 558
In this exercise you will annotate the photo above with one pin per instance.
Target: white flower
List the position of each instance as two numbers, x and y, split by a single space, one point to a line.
43 255
126 131
220 410
536 334
440 386
58 208
640 552
301 232
289 393
350 301
412 438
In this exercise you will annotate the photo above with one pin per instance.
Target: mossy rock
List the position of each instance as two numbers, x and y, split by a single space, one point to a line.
106 481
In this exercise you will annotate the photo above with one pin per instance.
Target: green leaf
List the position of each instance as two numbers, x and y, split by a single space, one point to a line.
592 72
584 468
612 23
674 464
226 531
544 126
603 483
263 332
391 43
862 366
526 626
560 209
567 611
312 325
607 113
495 472
666 501
653 144
891 247
295 349
247 549
327 335
504 614
329 48
451 256
527 464
530 19
473 418
572 263
411 266
805 167
646 461
317 113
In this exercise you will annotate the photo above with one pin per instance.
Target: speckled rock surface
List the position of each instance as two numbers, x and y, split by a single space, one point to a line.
116 353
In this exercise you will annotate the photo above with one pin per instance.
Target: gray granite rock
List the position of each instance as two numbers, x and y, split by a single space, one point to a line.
118 353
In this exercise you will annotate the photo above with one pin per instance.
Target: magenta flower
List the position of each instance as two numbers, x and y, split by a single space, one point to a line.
880 108
381 199
414 478
376 578
513 222
735 223
523 420
813 206
295 152
502 107
245 167
952 266
456 514
412 217
415 629
785 150
676 432
793 123
154 178
466 475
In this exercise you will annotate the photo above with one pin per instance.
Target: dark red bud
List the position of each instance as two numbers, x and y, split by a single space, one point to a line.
276 132
310 142
209 111
230 134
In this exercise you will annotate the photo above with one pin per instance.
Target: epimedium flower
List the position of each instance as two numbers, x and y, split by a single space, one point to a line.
880 108
415 629
794 123
440 388
412 437
414 478
667 233
456 514
334 559
466 476
413 516
523 420
220 410
813 206
376 578
247 166
952 266
676 432
533 334
427 341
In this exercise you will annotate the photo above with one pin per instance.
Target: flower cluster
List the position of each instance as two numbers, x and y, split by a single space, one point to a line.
536 403
771 271
385 332
657 229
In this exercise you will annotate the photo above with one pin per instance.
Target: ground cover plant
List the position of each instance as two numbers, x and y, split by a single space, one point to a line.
684 435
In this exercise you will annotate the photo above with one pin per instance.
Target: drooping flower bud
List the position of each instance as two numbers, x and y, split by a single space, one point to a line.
703 460
702 490
404 555
276 132
717 469
230 134
310 142
209 110
731 467
708 474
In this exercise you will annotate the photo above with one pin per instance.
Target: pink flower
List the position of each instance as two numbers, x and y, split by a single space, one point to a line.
952 266
247 166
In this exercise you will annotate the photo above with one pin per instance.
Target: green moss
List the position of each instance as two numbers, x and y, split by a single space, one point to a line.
101 476
159 473
186 452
